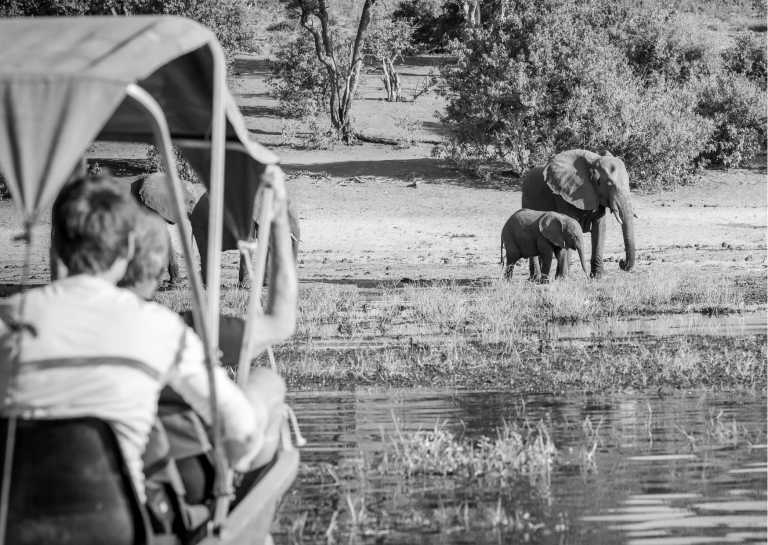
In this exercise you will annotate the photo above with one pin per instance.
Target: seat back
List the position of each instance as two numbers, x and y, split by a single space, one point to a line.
70 484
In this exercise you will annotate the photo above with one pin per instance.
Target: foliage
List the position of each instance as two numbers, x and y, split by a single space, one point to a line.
388 37
303 83
435 22
738 108
298 80
748 58
183 168
226 18
387 40
549 75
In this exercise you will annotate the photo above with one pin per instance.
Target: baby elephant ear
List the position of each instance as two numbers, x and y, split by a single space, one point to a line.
551 227
570 174
155 194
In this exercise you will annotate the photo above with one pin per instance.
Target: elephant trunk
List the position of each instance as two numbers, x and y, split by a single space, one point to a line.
621 206
582 259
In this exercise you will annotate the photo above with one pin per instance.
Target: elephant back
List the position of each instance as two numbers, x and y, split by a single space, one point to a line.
536 194
199 219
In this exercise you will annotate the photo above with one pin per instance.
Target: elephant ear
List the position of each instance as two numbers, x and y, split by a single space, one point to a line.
551 227
571 175
155 194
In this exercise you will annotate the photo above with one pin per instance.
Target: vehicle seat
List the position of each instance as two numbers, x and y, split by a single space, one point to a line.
70 485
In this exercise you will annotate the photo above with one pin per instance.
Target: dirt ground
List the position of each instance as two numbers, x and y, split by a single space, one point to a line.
375 213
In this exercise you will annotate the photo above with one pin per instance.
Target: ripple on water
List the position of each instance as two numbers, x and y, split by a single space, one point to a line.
658 477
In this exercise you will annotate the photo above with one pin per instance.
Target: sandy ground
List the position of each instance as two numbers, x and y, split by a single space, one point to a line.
374 213
362 222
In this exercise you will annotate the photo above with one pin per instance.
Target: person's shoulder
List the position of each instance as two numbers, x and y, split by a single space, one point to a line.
154 311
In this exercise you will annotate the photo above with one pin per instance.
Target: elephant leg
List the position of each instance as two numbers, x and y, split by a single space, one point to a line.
561 254
512 257
598 241
173 261
546 251
243 276
173 266
534 268
202 247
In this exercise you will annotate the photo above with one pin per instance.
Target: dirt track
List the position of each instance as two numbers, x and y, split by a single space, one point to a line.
362 222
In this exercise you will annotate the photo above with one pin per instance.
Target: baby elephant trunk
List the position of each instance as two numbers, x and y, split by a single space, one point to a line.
582 258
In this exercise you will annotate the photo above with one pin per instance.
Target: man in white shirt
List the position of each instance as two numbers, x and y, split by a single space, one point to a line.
93 349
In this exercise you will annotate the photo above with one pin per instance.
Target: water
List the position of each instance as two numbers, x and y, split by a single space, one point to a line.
684 469
729 325
326 336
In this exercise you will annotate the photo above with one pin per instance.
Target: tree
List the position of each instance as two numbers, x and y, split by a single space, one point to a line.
343 77
387 40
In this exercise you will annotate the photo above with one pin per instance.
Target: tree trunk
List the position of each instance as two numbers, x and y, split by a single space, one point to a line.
391 80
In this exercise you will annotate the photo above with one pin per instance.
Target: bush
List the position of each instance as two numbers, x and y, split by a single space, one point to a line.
435 22
598 75
737 107
658 46
226 18
298 80
748 58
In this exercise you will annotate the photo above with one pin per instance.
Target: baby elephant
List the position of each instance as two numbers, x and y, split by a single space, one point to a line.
531 233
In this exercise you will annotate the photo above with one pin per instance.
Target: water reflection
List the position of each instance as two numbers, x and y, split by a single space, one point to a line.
689 468
728 325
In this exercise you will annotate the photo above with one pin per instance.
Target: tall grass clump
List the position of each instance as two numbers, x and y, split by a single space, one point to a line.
525 450
542 76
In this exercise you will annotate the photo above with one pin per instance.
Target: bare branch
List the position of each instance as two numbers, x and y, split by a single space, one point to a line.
321 53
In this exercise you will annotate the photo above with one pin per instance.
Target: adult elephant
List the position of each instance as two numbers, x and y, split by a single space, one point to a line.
582 185
199 219
151 191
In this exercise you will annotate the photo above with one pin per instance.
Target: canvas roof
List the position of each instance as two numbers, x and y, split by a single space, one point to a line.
63 85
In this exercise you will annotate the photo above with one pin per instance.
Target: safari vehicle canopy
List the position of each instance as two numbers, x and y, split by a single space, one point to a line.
66 82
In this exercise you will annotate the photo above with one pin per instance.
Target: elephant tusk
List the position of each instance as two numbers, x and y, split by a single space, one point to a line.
618 217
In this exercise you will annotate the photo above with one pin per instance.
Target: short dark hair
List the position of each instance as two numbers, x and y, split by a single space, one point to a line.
150 257
93 218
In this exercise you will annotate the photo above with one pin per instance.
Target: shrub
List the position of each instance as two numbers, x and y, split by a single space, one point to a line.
435 22
226 18
748 58
298 80
658 46
737 107
599 75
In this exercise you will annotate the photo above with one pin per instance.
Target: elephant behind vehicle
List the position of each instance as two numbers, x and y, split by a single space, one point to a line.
152 192
199 220
583 185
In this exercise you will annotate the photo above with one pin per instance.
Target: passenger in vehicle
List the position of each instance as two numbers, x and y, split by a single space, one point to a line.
81 346
143 276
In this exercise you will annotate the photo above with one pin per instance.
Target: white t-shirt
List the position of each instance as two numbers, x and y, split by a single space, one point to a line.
101 351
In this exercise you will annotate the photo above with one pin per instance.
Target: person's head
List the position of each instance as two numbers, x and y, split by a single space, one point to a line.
92 227
150 258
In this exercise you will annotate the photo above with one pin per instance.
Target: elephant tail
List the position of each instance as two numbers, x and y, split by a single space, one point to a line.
501 252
